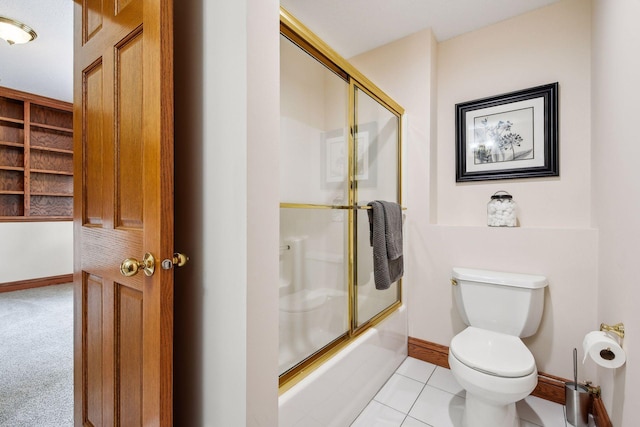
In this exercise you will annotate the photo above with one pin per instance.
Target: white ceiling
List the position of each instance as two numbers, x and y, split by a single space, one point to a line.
351 27
45 66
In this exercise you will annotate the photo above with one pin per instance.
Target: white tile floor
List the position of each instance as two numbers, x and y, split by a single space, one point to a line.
420 394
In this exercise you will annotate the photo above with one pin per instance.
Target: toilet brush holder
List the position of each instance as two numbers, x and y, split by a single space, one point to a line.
577 404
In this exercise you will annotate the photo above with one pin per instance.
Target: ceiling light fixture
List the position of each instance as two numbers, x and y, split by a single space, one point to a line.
15 32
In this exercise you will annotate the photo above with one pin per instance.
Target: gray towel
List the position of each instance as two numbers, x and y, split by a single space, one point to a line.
385 226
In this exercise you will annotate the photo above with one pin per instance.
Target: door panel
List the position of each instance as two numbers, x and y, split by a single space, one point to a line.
123 123
92 18
129 350
92 348
92 143
129 137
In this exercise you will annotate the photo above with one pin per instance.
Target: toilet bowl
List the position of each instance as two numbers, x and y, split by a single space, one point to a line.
496 370
488 358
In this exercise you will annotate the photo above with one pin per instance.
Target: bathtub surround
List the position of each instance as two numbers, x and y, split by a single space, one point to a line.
334 394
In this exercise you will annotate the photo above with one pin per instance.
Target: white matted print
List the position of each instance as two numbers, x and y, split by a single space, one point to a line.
336 158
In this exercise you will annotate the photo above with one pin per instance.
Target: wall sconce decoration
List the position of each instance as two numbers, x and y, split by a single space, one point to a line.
15 32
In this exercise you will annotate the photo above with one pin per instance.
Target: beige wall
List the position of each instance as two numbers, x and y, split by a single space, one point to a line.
32 250
616 184
226 302
446 220
548 45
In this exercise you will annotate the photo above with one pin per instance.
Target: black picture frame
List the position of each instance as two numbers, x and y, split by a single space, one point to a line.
514 135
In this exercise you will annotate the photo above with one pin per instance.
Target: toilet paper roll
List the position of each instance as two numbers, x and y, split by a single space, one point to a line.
603 349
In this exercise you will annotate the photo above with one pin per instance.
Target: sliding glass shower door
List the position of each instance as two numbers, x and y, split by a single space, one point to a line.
340 146
314 269
377 178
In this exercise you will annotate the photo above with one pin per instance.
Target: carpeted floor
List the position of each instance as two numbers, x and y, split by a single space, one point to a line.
36 357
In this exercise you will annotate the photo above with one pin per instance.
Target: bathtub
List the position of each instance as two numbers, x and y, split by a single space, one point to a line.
334 394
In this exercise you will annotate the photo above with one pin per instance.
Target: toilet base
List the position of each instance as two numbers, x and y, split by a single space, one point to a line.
480 413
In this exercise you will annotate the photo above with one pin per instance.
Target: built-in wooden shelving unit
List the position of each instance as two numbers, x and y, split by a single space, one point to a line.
36 157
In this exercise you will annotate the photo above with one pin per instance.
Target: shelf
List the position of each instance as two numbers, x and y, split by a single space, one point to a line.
11 192
11 168
52 172
11 144
50 194
51 127
54 150
5 218
10 120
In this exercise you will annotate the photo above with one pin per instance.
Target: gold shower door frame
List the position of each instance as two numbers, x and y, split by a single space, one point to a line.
300 35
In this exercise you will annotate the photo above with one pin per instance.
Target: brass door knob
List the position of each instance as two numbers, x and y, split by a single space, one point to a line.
178 260
131 266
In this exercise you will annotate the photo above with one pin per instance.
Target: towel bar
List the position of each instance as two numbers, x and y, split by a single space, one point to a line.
369 207
314 206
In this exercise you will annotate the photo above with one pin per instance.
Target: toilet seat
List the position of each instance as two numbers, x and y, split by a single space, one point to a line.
493 353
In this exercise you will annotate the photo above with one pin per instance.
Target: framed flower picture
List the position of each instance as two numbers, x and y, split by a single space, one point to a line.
514 135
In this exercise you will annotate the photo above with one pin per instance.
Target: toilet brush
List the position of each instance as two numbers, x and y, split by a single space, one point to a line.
575 369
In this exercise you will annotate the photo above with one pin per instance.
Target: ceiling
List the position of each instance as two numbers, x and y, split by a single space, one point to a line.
351 27
45 66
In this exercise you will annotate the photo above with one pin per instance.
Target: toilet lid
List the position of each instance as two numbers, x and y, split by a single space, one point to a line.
493 353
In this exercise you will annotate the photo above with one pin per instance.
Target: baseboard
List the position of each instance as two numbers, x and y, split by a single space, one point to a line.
549 387
600 415
35 283
429 352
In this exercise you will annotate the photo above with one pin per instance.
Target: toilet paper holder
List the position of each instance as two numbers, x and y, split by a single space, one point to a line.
617 329
593 390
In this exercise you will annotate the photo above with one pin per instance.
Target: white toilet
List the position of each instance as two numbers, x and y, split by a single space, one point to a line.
488 358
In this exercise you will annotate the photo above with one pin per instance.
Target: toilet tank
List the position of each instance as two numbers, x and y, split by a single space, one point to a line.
510 303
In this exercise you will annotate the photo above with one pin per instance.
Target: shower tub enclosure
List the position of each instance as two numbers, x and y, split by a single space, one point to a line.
340 149
334 394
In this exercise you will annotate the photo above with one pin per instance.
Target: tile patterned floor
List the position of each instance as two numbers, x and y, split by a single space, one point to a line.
421 394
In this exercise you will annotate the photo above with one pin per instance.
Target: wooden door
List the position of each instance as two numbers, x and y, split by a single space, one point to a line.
123 208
